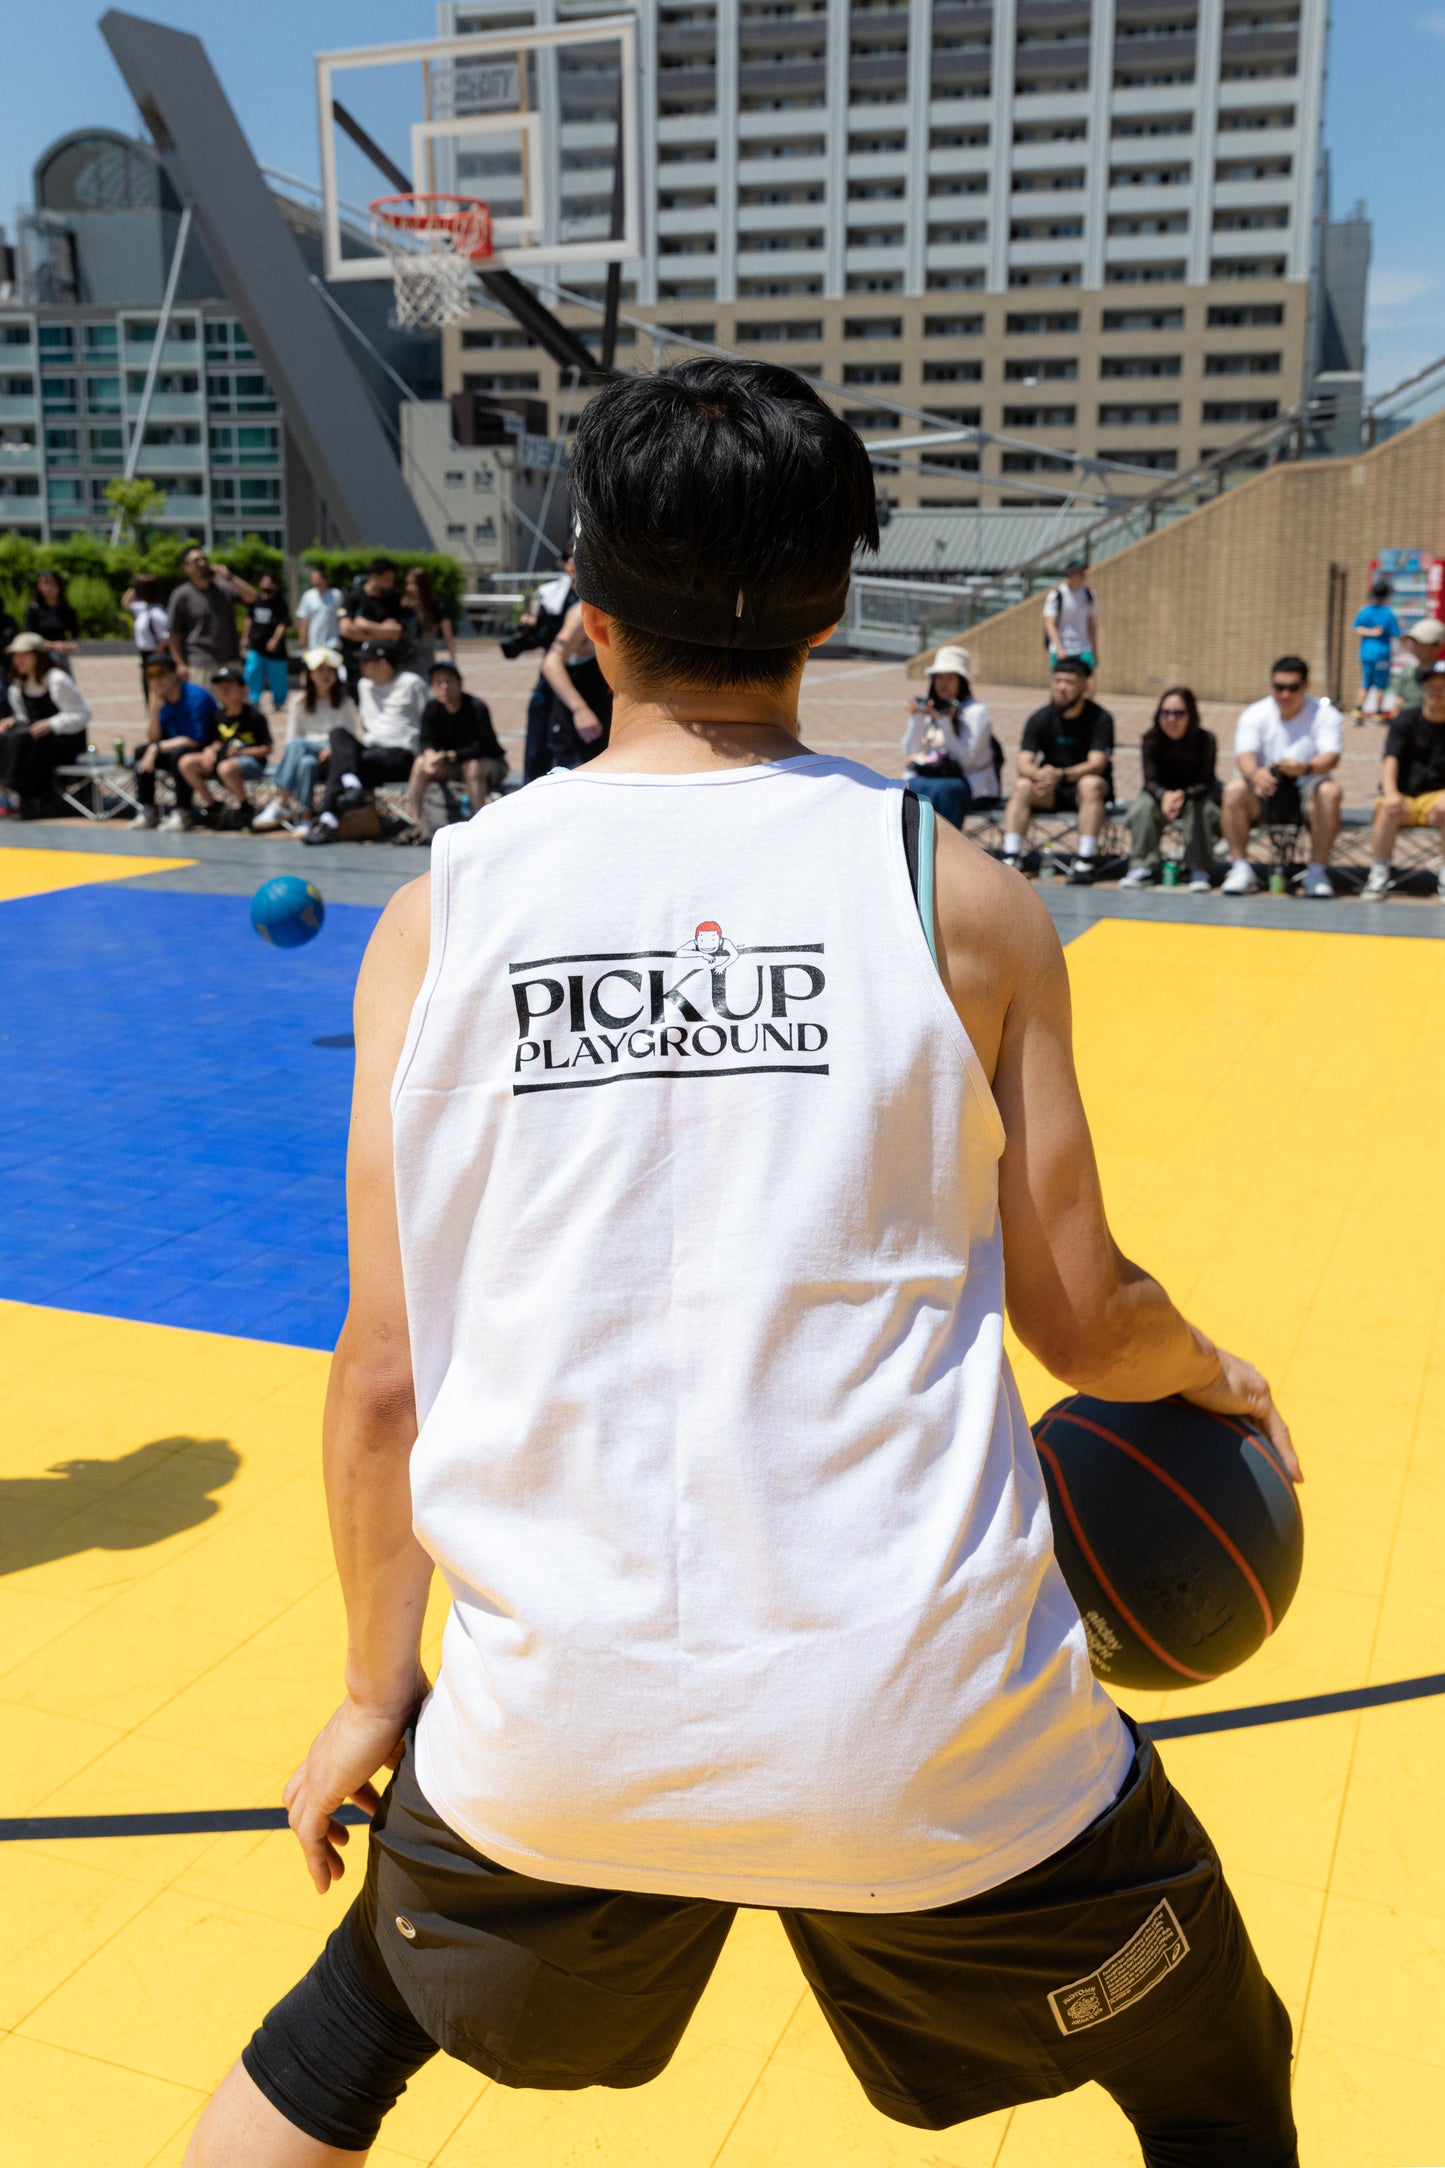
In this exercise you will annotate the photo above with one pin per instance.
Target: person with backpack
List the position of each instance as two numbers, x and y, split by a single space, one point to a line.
698 1394
951 752
1071 618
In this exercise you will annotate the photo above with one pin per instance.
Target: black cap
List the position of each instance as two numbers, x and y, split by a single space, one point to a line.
228 674
376 651
444 662
1077 564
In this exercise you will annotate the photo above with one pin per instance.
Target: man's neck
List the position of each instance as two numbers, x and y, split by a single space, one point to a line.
1071 713
692 732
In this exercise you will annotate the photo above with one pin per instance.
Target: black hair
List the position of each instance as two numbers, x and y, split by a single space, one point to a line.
1073 666
1296 666
380 564
712 480
147 588
48 572
310 690
158 660
426 596
1380 589
444 662
965 689
1155 735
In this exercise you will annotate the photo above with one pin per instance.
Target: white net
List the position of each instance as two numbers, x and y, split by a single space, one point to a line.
431 252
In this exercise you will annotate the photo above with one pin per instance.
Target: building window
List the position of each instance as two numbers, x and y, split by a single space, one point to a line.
1040 417
1049 322
1160 462
1152 124
1026 184
514 380
1246 315
952 372
952 327
1144 274
1143 320
13 334
484 530
1159 222
765 289
1044 275
958 184
1240 410
56 339
1046 229
868 237
1061 369
783 330
17 387
1245 119
1242 364
953 282
874 282
1262 221
62 446
100 339
872 327
483 481
954 236
60 394
869 418
1140 365
102 395
1247 267
1139 417
454 479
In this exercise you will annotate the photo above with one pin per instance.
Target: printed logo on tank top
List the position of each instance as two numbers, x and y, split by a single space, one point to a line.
710 1006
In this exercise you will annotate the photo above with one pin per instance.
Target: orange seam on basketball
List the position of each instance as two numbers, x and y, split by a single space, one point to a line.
1202 1678
1172 1483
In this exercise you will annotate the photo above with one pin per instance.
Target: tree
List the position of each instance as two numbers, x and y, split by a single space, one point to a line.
136 503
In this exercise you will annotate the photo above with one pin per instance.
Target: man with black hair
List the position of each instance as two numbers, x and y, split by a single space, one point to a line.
371 611
457 742
698 1394
1064 767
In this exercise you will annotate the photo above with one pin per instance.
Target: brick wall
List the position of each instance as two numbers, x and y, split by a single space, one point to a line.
1212 600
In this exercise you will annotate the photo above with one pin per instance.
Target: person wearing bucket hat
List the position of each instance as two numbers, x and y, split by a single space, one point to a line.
948 742
45 726
321 701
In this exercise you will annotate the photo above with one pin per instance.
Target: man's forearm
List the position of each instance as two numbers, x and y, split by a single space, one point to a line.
1141 1347
368 1435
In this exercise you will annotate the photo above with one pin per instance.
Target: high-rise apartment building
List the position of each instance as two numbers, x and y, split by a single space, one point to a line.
1092 224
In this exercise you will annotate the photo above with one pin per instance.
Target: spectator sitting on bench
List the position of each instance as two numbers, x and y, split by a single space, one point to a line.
1178 758
41 728
457 739
1285 748
1424 641
1064 767
322 703
1412 781
949 744
235 755
182 720
390 703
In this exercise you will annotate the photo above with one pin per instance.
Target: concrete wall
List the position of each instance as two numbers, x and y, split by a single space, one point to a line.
1213 599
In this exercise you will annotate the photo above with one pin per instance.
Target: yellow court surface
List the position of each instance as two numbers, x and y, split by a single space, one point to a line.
38 873
172 1635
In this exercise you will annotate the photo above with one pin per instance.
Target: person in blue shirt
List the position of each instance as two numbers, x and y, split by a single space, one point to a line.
183 717
1377 625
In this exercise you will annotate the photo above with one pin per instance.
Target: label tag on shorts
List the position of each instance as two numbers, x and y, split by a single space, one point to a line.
1146 1958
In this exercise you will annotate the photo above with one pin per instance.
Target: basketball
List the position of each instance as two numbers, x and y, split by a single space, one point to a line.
1178 1533
287 912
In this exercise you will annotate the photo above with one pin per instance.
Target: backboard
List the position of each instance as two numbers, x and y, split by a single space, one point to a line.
540 122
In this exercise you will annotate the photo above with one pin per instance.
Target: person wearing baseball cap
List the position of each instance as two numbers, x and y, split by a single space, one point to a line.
1071 617
1425 639
1412 781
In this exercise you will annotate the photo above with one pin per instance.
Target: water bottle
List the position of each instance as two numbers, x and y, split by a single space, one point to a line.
120 752
1171 873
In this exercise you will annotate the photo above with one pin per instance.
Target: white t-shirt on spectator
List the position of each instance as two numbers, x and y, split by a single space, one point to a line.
1262 730
1071 612
968 739
391 714
320 613
152 626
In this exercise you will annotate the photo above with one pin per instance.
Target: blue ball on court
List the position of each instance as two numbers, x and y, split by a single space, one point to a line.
287 912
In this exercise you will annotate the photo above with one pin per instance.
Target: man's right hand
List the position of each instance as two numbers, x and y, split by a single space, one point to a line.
345 1755
1263 783
1240 1389
1395 805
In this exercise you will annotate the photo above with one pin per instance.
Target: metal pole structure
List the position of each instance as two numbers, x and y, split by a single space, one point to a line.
168 302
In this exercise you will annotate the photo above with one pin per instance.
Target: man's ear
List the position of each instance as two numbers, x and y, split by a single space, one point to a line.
817 639
597 625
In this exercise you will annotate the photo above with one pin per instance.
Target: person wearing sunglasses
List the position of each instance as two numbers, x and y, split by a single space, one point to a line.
1178 757
1286 748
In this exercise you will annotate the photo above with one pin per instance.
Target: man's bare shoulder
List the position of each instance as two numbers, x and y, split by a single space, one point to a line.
997 943
395 962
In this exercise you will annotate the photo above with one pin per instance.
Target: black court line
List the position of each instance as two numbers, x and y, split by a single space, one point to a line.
1169 1727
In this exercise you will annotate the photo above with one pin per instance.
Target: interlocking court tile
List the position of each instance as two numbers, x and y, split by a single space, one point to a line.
167 1950
37 873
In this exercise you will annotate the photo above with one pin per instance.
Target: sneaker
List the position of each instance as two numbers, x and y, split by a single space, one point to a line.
1012 858
1137 877
233 819
1199 882
353 799
1241 880
1081 873
1377 885
1317 885
323 830
147 817
269 817
177 819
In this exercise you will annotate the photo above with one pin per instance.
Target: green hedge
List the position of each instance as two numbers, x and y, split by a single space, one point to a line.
344 567
96 576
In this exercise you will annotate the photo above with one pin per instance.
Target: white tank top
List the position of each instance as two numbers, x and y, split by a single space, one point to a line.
753 1588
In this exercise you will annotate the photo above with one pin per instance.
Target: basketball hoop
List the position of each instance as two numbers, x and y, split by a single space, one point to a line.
431 242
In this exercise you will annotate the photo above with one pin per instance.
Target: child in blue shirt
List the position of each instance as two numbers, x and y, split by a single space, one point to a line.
1377 625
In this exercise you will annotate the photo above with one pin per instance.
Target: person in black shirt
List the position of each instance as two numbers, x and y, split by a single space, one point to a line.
457 739
372 611
238 742
52 615
268 620
1178 757
1064 767
1412 781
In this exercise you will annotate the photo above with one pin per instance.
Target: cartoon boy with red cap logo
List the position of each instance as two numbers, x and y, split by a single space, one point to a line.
709 945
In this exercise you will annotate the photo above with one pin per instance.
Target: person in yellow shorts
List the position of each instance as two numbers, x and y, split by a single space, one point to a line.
1412 781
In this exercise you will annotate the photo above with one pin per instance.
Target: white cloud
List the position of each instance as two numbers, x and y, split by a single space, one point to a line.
1397 289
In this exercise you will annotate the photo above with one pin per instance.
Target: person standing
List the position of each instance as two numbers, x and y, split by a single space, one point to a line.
553 599
1065 766
1378 629
1286 748
268 621
1412 782
1178 757
51 615
43 729
371 611
202 613
145 599
754 1600
949 743
319 611
425 624
457 741
582 707
1071 622
390 703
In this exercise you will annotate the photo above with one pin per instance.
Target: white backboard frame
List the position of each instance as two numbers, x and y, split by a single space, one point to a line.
516 249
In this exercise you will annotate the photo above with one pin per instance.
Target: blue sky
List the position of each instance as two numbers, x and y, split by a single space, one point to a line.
1387 63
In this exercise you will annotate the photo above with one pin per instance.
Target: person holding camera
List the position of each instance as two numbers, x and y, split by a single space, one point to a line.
539 627
949 743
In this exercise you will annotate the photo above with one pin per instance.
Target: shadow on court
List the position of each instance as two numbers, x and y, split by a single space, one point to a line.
158 1490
